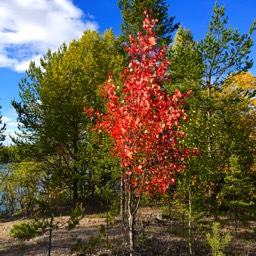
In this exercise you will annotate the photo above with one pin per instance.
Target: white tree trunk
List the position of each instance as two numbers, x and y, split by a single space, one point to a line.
131 215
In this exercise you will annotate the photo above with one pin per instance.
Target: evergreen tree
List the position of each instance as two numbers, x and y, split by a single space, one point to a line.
224 51
236 101
132 13
186 68
186 71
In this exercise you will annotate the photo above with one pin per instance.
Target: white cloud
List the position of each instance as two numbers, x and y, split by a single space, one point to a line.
12 125
28 28
6 119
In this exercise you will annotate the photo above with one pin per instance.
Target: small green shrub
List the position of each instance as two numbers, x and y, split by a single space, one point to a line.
217 241
76 215
25 230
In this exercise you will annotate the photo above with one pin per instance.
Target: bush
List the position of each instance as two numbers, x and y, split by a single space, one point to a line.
217 241
25 230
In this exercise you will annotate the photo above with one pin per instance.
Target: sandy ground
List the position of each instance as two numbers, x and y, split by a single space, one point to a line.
162 238
62 239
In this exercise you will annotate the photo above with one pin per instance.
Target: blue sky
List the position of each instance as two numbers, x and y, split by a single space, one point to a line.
29 27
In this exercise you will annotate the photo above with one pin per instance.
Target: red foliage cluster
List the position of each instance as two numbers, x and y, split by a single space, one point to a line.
144 121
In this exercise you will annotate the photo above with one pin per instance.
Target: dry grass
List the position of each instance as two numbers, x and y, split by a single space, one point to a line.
154 237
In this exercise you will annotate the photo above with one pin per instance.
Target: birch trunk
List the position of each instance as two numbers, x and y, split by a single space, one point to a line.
131 215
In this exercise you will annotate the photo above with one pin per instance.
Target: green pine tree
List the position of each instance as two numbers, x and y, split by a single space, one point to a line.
132 14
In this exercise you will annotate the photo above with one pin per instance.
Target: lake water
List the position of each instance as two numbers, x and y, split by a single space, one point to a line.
3 168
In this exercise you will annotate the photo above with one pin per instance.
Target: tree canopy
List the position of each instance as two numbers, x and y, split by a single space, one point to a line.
132 14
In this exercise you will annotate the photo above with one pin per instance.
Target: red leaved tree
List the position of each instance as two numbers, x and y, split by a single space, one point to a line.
144 122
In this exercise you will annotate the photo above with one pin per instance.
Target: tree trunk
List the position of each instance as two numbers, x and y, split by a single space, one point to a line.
50 236
209 116
190 224
75 189
122 198
131 215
